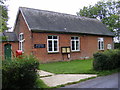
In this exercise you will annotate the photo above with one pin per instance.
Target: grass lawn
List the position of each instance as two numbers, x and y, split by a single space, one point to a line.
73 67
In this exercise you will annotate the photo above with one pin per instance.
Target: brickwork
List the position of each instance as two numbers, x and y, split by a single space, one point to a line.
88 46
21 27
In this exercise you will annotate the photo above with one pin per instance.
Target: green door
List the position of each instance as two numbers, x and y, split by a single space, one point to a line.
7 51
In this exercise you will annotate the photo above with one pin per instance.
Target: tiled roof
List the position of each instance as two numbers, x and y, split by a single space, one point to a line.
49 21
10 36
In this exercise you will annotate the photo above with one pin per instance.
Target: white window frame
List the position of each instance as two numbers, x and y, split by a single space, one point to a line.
75 43
53 51
101 41
21 41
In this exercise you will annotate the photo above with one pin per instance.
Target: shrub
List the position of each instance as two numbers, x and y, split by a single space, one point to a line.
19 73
117 45
107 60
113 58
100 61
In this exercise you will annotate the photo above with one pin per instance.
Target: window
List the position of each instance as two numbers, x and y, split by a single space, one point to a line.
21 41
75 44
52 45
100 43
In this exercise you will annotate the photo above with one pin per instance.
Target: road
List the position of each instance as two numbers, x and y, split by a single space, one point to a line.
110 81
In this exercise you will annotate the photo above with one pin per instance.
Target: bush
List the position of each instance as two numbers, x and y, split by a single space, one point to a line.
19 73
117 45
107 60
113 58
99 61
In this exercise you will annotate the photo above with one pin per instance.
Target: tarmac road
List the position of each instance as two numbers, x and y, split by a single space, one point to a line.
110 81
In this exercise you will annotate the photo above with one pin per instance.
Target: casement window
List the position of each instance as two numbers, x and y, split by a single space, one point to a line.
100 43
52 44
75 43
21 41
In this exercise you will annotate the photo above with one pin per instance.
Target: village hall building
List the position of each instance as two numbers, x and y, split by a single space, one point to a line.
53 36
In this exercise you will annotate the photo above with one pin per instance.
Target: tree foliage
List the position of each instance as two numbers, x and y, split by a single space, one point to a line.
3 16
108 12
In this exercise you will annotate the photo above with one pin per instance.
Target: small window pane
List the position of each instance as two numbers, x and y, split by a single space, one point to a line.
73 45
102 47
99 45
22 46
54 37
21 37
76 37
49 37
100 39
50 45
55 45
77 45
72 38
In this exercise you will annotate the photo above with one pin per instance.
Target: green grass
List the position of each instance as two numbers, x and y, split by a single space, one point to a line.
74 67
40 84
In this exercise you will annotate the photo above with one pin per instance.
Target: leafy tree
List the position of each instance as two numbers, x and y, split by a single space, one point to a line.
108 12
3 16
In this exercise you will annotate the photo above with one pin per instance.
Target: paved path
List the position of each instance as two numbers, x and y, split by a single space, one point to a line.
110 81
59 79
44 73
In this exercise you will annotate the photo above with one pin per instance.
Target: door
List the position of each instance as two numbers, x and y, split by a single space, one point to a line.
7 51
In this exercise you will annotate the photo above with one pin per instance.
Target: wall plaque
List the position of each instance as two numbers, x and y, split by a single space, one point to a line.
39 45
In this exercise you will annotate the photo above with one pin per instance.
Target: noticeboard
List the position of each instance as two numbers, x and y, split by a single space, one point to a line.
65 49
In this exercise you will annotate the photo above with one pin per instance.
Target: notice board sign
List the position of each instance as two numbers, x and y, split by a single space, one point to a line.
65 49
39 45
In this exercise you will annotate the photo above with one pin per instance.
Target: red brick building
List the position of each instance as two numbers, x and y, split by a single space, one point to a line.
52 36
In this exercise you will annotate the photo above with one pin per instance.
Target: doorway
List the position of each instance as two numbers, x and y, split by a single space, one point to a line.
7 51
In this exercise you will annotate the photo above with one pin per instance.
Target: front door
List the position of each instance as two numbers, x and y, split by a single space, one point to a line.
7 51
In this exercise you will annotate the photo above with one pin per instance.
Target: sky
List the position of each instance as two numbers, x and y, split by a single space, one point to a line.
62 6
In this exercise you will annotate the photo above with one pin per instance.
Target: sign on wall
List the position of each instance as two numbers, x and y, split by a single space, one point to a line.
109 46
65 49
39 45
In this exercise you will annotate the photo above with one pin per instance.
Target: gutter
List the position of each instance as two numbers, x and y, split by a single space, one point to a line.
62 32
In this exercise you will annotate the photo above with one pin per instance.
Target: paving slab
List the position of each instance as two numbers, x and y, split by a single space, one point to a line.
61 79
44 73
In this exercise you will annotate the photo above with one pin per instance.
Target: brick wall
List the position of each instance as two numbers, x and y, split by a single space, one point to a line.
88 46
21 27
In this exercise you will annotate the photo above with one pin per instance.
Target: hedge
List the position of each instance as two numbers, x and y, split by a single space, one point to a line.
19 73
117 45
107 60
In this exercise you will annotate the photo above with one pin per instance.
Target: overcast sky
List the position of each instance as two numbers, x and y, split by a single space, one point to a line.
63 6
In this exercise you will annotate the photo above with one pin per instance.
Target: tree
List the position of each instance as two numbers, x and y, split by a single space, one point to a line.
108 12
3 16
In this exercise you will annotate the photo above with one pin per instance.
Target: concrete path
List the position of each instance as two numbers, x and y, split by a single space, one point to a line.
44 73
60 79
